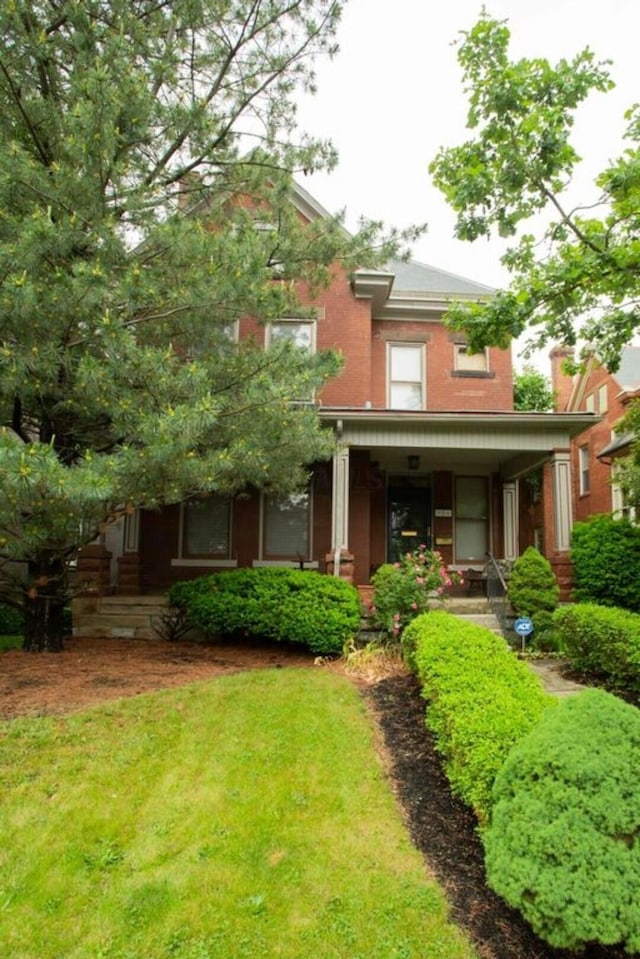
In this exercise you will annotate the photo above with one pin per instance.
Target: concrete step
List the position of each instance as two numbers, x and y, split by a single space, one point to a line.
122 617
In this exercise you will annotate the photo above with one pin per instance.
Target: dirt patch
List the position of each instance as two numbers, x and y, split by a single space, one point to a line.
87 672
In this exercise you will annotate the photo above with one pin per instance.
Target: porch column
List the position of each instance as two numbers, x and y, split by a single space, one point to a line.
561 477
510 517
339 560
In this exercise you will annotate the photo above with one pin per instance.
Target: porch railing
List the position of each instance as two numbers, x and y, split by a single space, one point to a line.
497 595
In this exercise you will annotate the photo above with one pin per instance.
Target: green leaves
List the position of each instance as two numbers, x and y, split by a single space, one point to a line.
580 281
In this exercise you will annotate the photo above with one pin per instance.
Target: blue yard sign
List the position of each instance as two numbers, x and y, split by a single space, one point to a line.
523 626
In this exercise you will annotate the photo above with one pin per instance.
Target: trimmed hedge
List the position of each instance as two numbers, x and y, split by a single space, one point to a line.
563 846
285 605
482 700
601 640
605 554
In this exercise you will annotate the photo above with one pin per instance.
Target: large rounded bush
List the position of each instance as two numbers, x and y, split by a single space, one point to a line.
563 845
285 605
605 554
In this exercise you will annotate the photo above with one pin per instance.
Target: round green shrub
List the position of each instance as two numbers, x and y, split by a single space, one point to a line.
533 589
563 845
605 554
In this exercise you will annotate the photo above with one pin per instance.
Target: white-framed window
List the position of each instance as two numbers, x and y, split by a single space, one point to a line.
590 403
406 376
464 361
603 399
301 333
205 532
583 470
286 527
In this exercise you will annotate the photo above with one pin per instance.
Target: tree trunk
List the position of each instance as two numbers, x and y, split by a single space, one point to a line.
44 606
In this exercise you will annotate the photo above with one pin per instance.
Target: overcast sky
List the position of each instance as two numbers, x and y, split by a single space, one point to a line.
393 95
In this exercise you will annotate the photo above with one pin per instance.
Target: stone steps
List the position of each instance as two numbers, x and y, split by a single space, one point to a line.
117 617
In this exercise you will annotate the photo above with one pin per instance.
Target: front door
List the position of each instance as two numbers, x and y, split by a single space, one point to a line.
409 516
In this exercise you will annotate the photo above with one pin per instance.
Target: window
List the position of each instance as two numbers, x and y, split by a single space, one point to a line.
590 403
603 399
467 362
206 528
583 469
406 376
286 524
300 333
471 519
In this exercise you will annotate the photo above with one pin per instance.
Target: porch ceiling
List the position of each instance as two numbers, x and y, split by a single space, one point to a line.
508 443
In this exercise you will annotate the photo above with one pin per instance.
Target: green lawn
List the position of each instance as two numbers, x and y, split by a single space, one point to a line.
248 816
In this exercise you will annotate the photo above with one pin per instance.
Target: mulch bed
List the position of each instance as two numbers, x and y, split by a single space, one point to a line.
445 831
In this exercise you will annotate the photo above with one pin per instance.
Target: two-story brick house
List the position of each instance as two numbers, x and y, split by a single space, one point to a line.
429 449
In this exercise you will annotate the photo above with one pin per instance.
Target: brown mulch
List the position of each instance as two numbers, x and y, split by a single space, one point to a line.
87 672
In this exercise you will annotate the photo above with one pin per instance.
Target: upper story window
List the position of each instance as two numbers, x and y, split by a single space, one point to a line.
301 333
406 376
603 399
466 362
206 528
583 469
590 403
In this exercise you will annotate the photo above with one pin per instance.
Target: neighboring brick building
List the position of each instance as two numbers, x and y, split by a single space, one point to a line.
429 450
595 390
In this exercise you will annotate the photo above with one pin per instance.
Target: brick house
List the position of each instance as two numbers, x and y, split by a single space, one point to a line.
594 451
429 450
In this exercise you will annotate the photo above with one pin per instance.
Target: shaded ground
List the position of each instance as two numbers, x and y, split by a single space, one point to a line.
93 671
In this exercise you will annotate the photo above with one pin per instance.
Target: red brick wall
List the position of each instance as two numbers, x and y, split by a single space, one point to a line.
598 499
446 389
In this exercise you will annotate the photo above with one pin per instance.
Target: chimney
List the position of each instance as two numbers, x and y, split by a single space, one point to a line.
561 382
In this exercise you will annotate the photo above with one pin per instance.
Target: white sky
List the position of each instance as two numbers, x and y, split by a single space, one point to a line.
393 95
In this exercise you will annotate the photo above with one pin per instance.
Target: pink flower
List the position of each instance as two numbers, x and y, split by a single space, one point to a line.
440 590
420 580
414 606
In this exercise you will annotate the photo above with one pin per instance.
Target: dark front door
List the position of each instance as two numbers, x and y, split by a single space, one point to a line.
409 516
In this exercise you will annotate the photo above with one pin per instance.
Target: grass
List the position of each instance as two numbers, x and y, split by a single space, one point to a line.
248 816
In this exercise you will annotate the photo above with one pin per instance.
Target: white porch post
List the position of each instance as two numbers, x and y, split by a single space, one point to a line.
510 514
561 473
340 506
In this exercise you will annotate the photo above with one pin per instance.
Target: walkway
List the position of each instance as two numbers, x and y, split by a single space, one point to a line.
554 682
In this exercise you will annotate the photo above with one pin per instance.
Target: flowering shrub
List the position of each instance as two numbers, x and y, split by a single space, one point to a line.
403 590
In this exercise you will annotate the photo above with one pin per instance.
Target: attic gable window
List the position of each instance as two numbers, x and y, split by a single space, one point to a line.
406 376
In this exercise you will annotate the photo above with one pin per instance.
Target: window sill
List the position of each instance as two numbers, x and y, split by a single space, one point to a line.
221 563
474 374
291 563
